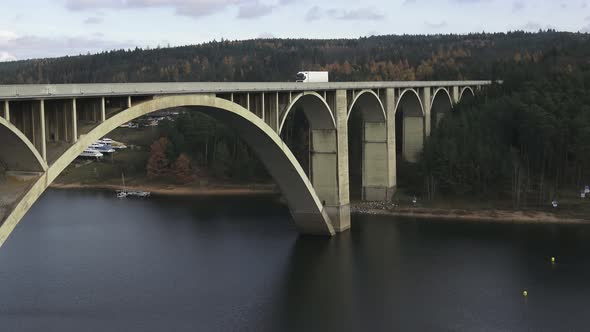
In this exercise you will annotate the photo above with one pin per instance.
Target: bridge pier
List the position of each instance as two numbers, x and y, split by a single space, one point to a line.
375 162
456 94
427 105
340 213
411 114
326 176
324 162
413 129
390 103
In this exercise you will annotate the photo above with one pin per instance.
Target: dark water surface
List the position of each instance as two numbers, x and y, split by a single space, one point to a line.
85 261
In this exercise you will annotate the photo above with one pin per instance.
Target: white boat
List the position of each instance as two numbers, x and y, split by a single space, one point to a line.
103 148
122 193
91 153
111 143
140 194
106 141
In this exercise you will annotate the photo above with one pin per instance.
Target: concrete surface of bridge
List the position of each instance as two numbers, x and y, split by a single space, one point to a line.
43 128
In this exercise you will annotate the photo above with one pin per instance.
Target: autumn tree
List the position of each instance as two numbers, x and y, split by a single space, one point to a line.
158 165
182 169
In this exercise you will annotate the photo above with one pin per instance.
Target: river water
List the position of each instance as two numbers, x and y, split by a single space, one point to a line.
85 261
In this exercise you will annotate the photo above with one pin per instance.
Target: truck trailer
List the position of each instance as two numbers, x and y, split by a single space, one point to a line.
312 77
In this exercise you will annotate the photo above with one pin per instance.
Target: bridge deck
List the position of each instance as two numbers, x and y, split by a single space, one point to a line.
48 91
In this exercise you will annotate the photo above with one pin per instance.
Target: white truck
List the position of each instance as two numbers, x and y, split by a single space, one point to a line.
312 77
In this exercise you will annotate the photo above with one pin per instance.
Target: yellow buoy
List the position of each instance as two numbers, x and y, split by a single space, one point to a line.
525 293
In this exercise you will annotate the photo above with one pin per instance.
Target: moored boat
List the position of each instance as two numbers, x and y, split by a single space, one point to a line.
139 193
91 153
103 148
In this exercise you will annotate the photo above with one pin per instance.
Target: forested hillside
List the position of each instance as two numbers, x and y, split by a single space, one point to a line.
527 140
437 57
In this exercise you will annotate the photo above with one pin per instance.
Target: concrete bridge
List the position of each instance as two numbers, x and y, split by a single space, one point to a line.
43 128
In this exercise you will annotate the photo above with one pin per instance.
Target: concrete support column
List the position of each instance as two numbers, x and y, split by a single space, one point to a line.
340 215
53 125
455 94
65 122
93 111
103 112
248 101
33 122
412 125
324 162
6 107
391 150
375 162
427 104
41 130
60 132
263 110
277 113
74 122
129 103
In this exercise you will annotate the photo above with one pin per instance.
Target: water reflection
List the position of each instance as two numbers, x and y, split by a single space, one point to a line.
86 261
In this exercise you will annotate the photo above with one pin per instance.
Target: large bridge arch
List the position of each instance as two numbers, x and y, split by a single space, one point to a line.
306 208
410 115
367 147
18 153
442 104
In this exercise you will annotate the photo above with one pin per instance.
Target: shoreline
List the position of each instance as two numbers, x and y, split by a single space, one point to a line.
176 190
367 208
472 216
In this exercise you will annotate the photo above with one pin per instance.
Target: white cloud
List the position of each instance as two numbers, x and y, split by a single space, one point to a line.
93 20
192 8
266 35
436 25
254 10
360 14
13 46
534 27
5 56
518 6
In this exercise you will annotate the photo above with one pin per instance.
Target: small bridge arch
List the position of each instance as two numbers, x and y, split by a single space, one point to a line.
322 154
316 109
442 104
367 145
409 124
466 92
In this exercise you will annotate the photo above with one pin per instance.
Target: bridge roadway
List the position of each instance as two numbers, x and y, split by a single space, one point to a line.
27 91
43 128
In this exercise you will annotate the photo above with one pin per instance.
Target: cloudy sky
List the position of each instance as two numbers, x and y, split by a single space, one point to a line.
49 28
